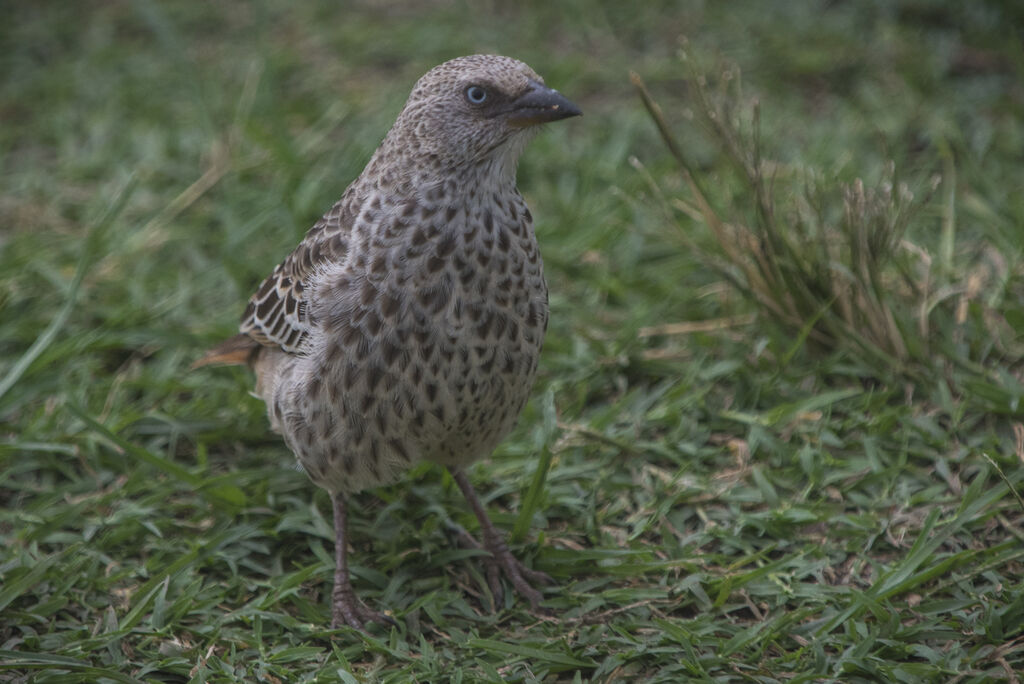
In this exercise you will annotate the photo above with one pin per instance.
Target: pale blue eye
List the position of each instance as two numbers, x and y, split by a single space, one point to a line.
476 94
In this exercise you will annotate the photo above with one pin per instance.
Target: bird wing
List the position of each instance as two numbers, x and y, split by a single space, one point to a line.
278 314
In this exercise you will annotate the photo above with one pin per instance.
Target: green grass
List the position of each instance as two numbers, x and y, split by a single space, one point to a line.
734 500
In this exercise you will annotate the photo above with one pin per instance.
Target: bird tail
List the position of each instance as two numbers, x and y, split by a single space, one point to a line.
240 350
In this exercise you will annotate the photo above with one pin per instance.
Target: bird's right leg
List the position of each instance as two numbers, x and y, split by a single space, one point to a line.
346 607
501 558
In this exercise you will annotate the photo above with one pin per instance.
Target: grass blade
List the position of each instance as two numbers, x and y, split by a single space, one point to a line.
85 260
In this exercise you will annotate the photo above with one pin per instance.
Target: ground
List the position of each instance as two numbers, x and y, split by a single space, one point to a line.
726 483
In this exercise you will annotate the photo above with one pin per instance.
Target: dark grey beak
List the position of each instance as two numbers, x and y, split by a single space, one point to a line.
539 105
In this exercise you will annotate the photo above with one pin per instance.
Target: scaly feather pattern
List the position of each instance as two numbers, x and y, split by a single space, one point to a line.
278 313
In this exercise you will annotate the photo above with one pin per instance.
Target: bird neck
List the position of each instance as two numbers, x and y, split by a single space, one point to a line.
410 172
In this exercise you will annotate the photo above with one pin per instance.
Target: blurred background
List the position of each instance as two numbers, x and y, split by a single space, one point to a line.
780 393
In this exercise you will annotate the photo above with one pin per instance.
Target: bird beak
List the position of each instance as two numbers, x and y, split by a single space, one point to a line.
539 104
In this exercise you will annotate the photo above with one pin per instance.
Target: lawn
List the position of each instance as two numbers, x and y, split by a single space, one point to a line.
780 395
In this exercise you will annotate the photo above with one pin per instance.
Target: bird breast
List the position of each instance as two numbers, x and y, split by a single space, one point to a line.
433 325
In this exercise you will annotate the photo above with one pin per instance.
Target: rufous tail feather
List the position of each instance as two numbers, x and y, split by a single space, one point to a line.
239 350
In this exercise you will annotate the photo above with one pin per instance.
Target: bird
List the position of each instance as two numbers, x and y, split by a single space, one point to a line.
407 324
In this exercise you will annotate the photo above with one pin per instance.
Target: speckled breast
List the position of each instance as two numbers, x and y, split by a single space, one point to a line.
435 325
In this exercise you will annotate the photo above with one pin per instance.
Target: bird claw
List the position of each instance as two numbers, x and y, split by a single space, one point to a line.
520 576
500 561
347 610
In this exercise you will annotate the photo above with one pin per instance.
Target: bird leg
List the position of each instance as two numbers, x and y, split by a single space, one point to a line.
346 608
501 557
490 564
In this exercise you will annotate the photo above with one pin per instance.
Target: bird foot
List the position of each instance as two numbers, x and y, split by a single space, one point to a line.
348 610
501 561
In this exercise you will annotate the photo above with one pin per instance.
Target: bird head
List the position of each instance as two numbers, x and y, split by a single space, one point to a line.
476 109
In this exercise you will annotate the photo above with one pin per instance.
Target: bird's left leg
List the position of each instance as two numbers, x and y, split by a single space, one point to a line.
517 573
346 608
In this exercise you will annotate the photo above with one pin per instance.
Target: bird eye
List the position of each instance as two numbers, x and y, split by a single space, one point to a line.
476 95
